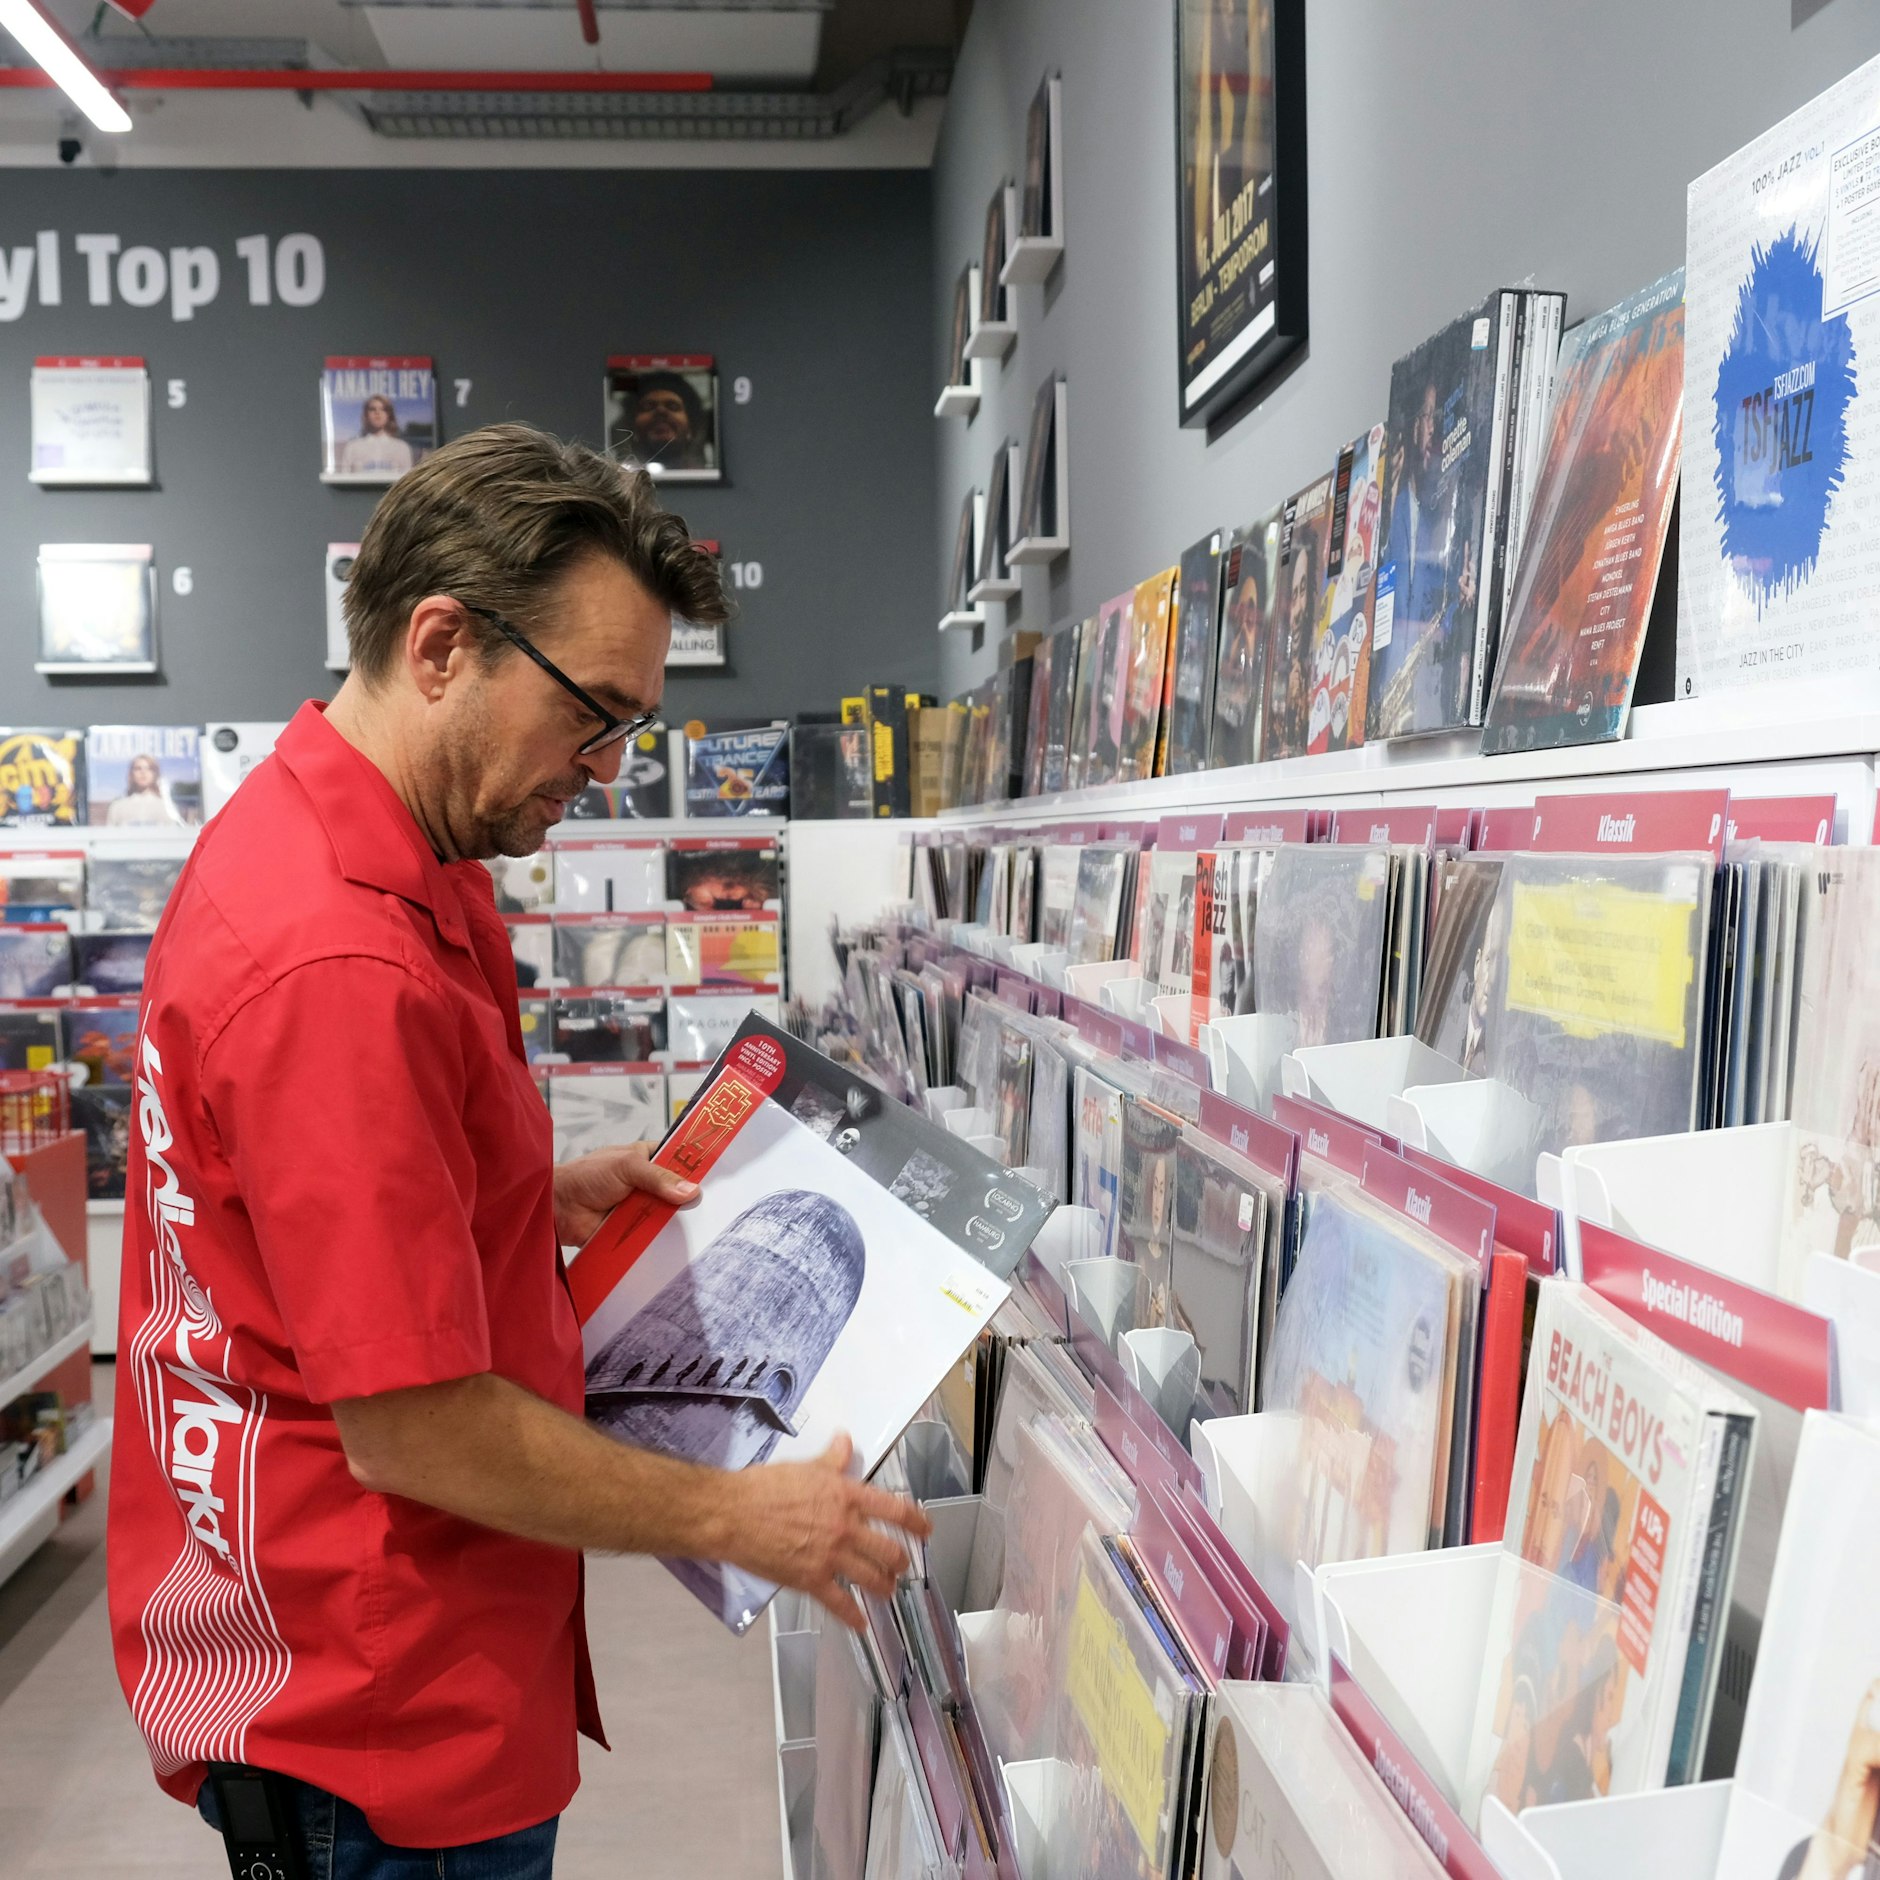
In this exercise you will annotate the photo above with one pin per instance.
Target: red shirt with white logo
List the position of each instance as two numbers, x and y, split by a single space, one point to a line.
340 1184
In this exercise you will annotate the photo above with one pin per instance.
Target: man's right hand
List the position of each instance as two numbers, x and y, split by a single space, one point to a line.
811 1525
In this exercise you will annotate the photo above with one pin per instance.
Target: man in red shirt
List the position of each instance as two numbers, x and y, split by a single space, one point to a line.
351 1484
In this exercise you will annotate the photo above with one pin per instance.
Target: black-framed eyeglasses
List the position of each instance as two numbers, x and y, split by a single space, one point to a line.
613 730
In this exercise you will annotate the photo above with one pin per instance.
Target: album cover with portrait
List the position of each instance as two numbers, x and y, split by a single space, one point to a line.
662 415
378 417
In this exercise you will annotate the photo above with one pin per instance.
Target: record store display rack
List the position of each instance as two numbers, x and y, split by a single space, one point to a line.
1436 1431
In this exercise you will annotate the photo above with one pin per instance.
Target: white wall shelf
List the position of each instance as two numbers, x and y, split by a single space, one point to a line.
23 1380
1825 738
30 1518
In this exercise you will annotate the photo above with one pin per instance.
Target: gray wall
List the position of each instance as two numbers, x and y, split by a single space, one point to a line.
815 285
1455 146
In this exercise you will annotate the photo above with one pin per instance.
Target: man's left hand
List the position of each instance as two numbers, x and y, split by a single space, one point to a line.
589 1188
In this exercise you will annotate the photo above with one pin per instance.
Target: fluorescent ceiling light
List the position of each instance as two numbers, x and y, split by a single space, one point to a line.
49 48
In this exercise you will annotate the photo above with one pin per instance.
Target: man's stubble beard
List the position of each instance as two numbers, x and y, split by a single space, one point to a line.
514 831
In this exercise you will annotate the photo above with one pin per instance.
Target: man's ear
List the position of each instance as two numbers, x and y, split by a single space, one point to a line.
437 634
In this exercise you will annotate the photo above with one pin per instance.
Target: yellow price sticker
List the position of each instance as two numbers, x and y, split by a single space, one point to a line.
1596 958
1127 1732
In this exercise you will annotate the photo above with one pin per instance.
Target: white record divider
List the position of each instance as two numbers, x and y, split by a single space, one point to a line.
1244 1055
1361 1078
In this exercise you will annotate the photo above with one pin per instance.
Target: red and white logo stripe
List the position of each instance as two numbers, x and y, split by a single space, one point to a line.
213 1655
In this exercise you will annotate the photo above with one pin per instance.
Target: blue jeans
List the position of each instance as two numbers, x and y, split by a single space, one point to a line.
337 1844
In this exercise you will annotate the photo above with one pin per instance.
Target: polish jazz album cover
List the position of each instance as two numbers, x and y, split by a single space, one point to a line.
812 1287
1779 549
1596 529
378 417
662 415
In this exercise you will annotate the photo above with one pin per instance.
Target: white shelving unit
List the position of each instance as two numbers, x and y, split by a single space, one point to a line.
29 1519
48 1361
1802 739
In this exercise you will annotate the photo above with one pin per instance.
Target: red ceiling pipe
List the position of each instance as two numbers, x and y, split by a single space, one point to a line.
218 78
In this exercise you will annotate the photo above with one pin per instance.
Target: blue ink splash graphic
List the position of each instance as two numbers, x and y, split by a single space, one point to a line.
1773 508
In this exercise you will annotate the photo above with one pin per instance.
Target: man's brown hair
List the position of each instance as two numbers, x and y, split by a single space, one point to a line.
495 519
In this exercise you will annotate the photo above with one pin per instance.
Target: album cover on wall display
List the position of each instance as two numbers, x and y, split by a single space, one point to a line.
959 330
607 1027
641 790
739 773
1060 707
609 949
42 885
103 1112
1037 193
97 608
965 558
662 415
1778 546
90 421
101 1039
1432 577
229 752
992 301
339 567
1466 944
106 963
143 775
1240 197
29 1035
708 876
131 891
1109 694
604 1106
1144 672
1250 577
1596 530
1038 517
1304 548
378 417
1083 701
42 778
1341 643
1192 651
35 959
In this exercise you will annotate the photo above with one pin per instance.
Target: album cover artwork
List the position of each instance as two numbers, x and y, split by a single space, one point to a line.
103 1112
1229 883
991 261
1145 669
1168 931
1077 756
1192 654
1109 698
959 369
1035 196
340 557
130 892
1341 646
1059 704
1145 1198
1436 487
1250 583
699 1025
965 544
707 878
662 415
1038 513
608 949
97 608
729 952
29 1036
1216 1269
594 1027
110 962
143 775
801 1294
90 421
1319 941
739 773
41 887
1596 529
35 960
1099 903
42 778
1466 944
101 1037
228 753
1598 1015
1806 1800
598 1108
585 876
378 417
642 790
1304 548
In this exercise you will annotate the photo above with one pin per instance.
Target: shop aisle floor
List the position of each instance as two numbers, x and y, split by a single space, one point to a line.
691 1785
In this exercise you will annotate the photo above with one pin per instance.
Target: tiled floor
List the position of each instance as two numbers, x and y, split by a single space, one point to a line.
690 1788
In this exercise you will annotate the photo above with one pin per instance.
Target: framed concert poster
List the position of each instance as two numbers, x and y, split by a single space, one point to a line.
1240 197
